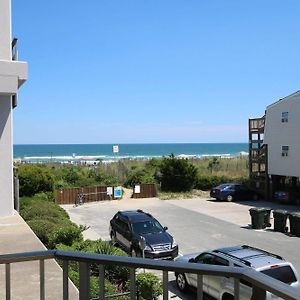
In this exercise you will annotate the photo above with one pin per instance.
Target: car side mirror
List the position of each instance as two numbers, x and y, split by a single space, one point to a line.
192 260
165 228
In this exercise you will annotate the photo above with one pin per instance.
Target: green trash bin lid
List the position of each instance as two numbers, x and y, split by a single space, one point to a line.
280 212
295 214
259 209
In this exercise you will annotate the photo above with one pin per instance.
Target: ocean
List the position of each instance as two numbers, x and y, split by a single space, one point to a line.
104 152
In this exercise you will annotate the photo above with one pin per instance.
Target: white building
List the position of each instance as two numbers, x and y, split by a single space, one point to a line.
12 75
274 148
282 135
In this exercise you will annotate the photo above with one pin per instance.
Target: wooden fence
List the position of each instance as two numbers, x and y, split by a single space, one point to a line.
86 194
144 191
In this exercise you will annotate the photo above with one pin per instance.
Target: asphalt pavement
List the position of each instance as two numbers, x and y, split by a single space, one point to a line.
197 225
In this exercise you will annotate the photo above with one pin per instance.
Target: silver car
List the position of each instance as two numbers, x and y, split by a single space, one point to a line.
239 256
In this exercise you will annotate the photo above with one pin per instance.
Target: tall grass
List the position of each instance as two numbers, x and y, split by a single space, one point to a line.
228 167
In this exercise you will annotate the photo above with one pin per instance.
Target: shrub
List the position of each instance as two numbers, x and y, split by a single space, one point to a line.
110 289
35 179
52 233
117 274
149 285
207 182
42 229
177 175
65 234
50 222
139 176
36 208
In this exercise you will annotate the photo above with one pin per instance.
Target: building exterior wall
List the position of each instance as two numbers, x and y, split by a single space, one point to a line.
278 134
12 75
5 29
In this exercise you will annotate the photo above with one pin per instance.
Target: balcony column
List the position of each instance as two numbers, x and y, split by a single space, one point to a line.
6 157
6 152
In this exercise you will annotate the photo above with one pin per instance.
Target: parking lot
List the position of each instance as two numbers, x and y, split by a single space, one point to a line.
197 224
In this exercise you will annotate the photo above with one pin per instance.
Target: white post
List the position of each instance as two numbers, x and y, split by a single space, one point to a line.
6 148
6 157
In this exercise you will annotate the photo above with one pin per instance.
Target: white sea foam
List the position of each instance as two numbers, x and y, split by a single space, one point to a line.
95 159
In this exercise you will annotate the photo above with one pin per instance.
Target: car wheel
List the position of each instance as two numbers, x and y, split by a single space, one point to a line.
113 238
135 253
229 198
181 282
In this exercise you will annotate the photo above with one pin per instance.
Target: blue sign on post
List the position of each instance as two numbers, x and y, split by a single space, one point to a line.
118 192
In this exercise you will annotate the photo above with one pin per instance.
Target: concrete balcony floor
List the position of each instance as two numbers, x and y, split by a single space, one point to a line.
16 236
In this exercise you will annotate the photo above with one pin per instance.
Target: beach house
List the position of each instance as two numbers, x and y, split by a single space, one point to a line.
274 147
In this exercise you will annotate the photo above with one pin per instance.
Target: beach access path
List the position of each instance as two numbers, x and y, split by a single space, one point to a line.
197 224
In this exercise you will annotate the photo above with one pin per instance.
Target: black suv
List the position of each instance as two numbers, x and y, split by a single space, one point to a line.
140 234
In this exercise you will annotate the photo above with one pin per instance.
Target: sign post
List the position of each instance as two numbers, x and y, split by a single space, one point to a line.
116 150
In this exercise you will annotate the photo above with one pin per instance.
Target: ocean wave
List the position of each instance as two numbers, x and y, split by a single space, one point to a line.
113 158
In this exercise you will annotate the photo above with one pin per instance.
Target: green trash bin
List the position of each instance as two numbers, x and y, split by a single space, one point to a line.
280 218
258 217
295 223
268 216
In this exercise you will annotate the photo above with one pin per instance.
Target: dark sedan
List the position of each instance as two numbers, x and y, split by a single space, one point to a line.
232 191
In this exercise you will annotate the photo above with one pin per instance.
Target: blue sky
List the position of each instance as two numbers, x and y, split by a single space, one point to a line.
118 71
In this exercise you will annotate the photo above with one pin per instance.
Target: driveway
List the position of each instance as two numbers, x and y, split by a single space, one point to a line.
197 224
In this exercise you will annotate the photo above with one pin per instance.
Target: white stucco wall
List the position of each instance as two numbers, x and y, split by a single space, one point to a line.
12 75
6 84
278 134
5 29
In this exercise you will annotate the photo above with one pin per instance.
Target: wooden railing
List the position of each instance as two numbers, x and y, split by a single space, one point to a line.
257 124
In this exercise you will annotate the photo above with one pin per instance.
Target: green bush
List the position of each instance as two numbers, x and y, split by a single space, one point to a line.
52 233
42 229
110 289
139 176
177 175
114 273
49 221
207 182
65 234
34 179
149 286
37 208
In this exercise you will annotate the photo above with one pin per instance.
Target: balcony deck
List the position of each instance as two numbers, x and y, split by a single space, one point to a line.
16 236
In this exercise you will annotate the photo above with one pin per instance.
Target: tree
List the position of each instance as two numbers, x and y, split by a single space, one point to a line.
177 175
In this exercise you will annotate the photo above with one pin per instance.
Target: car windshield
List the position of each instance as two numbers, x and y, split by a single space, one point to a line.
223 186
284 274
151 226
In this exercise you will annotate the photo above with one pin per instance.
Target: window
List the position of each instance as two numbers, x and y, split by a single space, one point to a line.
211 259
284 274
122 224
221 261
205 258
284 117
285 150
